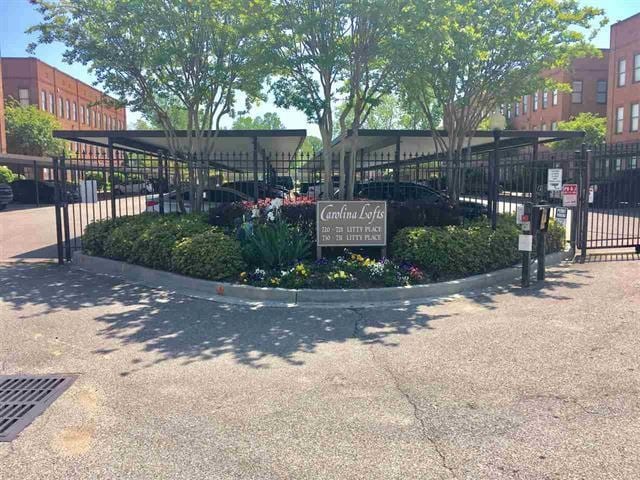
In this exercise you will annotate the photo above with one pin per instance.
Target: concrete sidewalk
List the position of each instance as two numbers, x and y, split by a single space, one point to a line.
507 384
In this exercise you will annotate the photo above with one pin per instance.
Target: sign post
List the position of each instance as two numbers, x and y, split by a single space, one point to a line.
525 241
554 180
351 224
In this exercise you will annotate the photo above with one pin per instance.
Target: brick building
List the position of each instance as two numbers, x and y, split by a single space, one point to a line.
76 105
543 110
623 109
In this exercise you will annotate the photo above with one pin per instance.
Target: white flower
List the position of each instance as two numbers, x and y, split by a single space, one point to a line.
276 203
255 212
271 217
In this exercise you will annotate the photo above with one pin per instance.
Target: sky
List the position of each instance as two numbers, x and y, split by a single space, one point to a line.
18 15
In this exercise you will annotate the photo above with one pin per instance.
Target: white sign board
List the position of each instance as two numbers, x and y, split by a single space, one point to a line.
554 180
519 214
592 191
570 195
88 191
561 215
525 243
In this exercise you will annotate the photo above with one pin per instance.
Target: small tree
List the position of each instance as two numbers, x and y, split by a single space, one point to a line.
469 56
30 131
594 127
153 53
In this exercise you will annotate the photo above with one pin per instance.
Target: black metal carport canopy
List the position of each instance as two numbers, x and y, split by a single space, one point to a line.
422 143
155 141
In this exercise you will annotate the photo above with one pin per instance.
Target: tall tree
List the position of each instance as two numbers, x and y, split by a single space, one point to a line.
269 121
594 127
369 23
309 41
469 56
152 52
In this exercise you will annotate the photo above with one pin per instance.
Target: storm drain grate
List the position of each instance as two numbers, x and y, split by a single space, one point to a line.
24 397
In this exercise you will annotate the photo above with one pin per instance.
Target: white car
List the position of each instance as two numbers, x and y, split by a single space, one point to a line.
133 186
212 198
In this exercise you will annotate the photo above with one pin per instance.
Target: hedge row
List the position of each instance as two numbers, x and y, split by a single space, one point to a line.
454 251
184 244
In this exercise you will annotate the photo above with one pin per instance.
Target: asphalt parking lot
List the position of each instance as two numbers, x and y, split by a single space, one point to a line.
542 384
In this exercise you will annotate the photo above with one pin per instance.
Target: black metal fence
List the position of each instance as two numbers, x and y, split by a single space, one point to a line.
485 183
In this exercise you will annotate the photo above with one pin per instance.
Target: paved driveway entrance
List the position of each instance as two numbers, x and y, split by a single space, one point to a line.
501 385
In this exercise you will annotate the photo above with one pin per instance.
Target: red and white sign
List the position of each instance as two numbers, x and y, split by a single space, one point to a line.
570 195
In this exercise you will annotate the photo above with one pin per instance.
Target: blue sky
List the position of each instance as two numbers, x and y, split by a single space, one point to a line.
17 15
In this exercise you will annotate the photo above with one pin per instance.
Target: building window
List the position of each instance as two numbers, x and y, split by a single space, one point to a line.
52 103
619 119
554 126
635 117
622 72
74 112
618 165
525 104
82 114
23 96
516 109
43 101
545 99
104 121
67 109
633 162
576 93
636 68
601 92
59 112
535 101
543 127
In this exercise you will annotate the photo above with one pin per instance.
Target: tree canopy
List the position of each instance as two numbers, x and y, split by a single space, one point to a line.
30 131
268 121
594 126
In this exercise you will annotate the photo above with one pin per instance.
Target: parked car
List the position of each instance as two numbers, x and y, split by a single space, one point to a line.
24 191
6 195
134 186
264 190
410 191
212 197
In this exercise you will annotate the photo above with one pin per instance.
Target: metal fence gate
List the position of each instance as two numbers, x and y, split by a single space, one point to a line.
614 197
607 216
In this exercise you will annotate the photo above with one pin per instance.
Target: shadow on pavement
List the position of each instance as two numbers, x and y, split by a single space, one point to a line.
611 257
179 327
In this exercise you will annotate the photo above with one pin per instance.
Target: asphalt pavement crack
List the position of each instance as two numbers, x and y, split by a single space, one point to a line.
418 413
359 322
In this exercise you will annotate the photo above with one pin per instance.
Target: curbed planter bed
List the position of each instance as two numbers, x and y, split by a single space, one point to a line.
235 293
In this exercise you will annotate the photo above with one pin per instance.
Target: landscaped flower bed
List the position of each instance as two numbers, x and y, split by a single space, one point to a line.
271 245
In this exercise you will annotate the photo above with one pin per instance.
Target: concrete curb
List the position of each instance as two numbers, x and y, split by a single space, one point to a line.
245 294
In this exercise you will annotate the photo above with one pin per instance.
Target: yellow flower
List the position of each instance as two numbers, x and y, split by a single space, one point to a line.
275 281
243 274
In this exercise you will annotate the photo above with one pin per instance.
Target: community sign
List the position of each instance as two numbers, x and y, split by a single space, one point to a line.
351 223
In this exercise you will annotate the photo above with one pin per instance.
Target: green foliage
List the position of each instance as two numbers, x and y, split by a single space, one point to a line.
211 255
594 126
276 245
99 177
555 238
469 56
30 131
126 231
154 247
96 234
311 144
6 175
269 121
456 251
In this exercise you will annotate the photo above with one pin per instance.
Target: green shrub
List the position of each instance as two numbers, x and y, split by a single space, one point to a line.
556 237
6 175
154 247
276 245
456 251
211 255
96 234
120 240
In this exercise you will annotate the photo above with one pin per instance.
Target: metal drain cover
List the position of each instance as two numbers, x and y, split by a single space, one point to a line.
24 397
